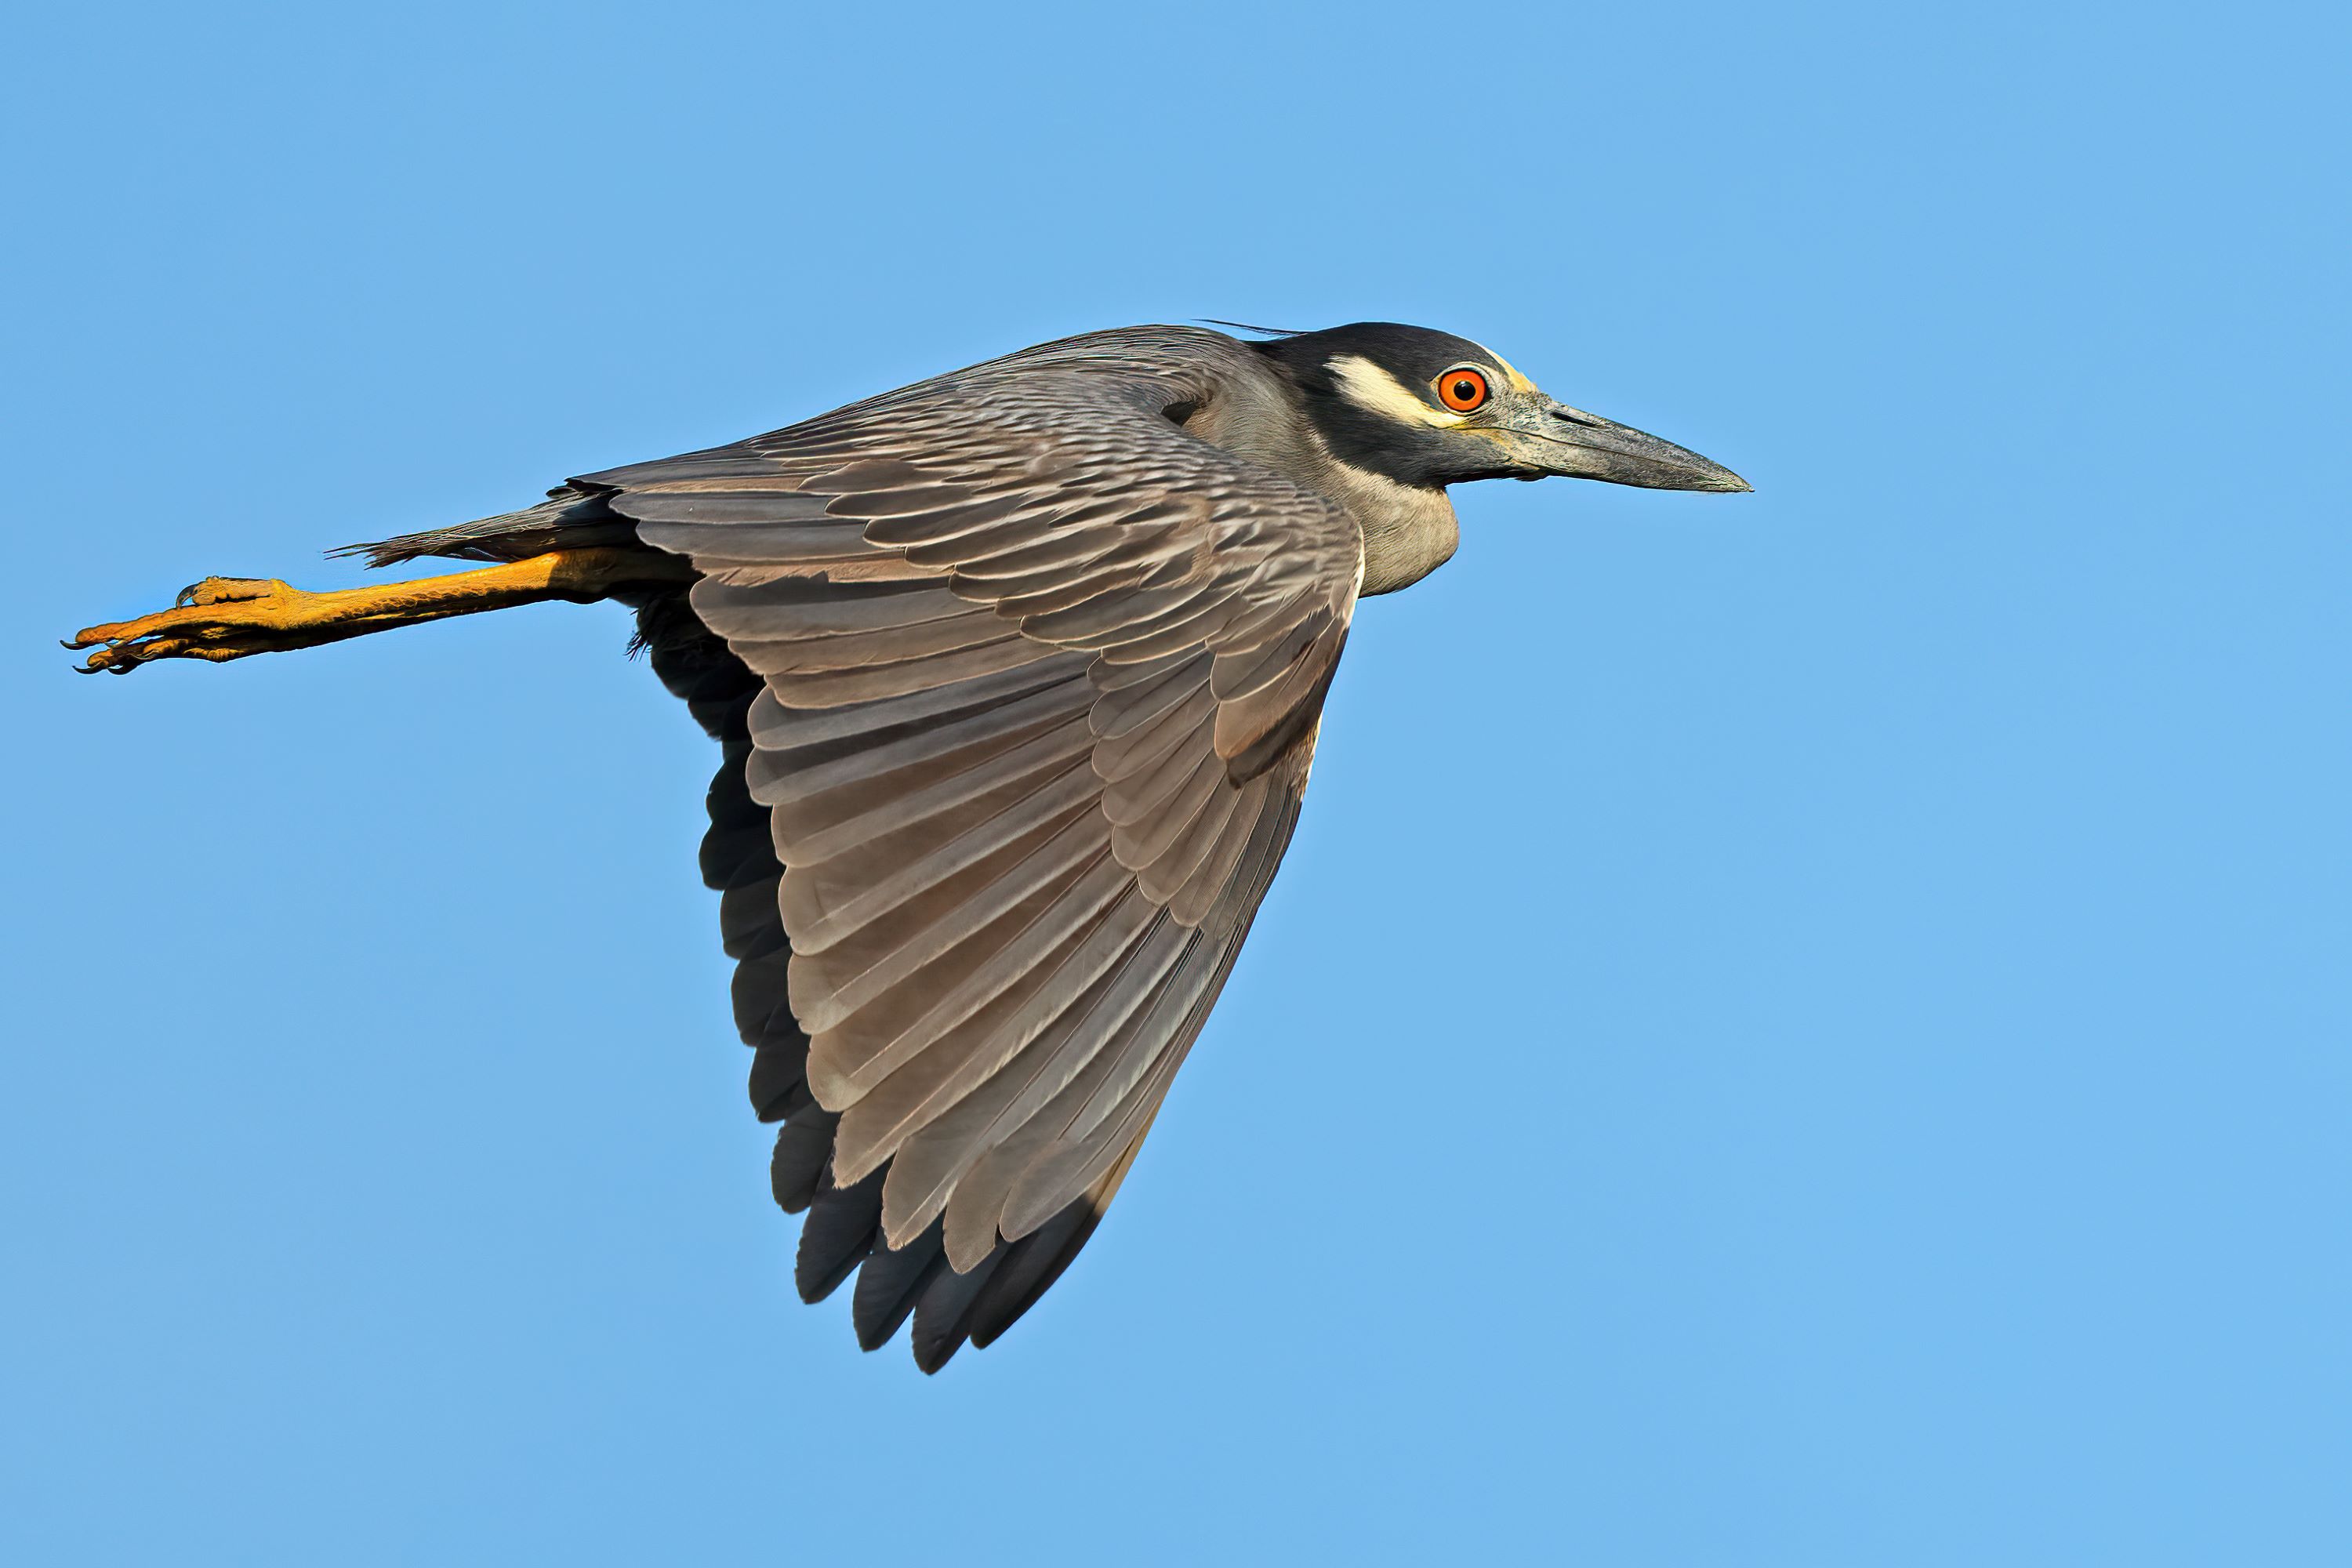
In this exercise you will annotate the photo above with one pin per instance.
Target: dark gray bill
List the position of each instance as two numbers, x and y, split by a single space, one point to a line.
1586 446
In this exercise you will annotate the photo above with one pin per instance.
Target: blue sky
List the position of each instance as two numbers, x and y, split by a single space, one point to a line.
1807 1029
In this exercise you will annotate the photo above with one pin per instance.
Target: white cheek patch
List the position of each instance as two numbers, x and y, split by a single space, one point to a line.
1367 387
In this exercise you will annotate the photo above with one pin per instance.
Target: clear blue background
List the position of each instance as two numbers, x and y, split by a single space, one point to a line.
1807 1029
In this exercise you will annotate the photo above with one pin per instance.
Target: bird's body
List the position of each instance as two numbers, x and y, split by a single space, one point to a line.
1016 674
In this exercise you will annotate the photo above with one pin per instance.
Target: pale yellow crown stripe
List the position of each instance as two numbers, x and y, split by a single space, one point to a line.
1518 383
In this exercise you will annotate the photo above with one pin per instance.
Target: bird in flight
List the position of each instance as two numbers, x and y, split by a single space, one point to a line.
1016 673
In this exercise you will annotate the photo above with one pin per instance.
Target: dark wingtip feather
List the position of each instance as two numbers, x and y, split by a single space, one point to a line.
842 1227
1030 1267
796 1172
891 1282
778 1084
748 923
943 1312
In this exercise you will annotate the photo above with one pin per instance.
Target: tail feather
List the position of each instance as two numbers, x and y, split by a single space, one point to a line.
567 519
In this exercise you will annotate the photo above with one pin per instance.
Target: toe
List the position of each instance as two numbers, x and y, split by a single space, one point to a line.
89 637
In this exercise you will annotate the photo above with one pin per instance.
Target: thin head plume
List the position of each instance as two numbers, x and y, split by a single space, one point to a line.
1245 327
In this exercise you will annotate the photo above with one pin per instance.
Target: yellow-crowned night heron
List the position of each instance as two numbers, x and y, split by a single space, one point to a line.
1017 672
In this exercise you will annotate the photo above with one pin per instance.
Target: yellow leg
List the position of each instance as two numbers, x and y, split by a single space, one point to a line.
222 618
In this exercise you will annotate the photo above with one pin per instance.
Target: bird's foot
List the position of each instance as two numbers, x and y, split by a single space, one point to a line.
222 619
218 619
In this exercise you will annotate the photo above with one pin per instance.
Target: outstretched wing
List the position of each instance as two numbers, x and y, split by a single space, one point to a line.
1038 677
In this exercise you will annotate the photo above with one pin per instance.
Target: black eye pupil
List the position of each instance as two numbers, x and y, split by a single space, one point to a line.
1465 390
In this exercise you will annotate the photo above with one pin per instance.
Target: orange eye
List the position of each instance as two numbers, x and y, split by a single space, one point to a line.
1462 390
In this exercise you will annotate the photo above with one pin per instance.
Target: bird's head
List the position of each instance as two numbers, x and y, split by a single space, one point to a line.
1430 409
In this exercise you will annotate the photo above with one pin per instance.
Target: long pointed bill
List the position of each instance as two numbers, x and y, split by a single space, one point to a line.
1569 441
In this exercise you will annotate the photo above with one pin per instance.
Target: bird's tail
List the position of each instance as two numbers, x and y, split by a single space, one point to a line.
566 520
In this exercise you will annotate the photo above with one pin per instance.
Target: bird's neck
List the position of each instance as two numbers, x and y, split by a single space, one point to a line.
1410 530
